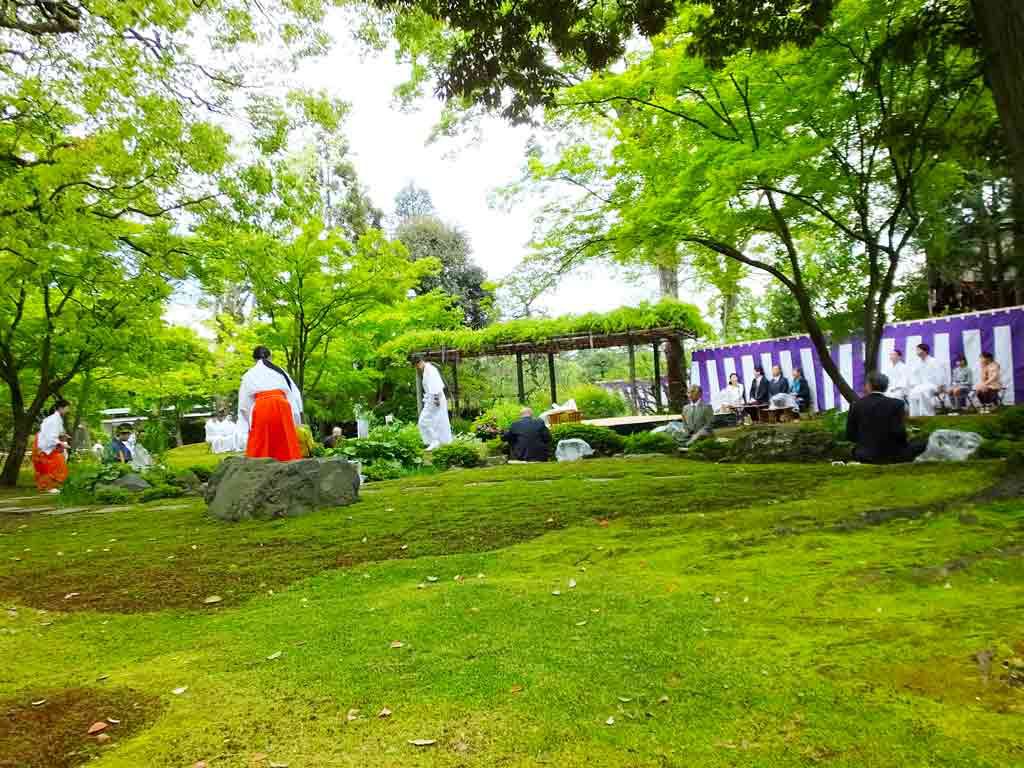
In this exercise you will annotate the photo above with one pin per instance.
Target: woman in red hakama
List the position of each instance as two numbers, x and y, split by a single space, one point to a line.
48 462
270 404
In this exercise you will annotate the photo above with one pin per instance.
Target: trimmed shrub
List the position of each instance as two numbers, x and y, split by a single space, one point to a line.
496 419
83 478
709 449
384 470
604 441
994 449
650 442
161 492
111 494
459 454
597 403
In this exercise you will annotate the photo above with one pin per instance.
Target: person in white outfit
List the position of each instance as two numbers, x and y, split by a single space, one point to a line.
928 379
435 429
899 377
732 398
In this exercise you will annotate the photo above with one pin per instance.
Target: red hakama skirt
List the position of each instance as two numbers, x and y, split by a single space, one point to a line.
51 468
272 428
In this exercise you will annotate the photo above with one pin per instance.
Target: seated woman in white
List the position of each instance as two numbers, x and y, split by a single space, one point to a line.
732 398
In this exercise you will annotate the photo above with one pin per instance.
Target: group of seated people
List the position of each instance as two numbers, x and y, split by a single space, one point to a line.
921 385
223 435
124 448
778 392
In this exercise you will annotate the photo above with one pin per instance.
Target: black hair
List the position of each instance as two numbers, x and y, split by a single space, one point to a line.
59 403
262 353
897 353
879 381
987 355
759 369
926 348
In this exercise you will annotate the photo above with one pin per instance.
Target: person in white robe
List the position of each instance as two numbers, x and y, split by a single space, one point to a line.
212 430
899 377
435 428
928 379
732 398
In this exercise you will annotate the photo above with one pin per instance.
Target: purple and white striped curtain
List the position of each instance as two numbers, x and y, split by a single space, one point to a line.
999 331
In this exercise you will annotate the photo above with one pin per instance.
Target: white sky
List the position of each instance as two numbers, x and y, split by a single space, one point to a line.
389 149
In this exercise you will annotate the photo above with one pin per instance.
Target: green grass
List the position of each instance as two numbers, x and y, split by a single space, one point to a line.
792 616
197 455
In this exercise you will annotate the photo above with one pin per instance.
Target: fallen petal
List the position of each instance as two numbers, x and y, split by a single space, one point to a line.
422 742
179 691
384 713
397 644
113 721
572 583
625 699
353 714
38 702
213 599
275 655
610 721
556 593
69 595
663 700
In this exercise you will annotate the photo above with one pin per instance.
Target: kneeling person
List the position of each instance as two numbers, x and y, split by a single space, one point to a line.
698 417
876 425
528 438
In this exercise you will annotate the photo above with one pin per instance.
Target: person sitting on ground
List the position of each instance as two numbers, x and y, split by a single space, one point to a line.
732 398
899 377
928 380
331 441
120 452
962 383
697 419
876 425
991 383
801 390
528 438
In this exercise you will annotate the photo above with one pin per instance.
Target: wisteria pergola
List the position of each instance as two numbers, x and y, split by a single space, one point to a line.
630 327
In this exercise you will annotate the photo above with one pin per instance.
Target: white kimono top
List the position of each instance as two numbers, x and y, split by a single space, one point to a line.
899 379
929 373
732 395
433 384
50 431
258 379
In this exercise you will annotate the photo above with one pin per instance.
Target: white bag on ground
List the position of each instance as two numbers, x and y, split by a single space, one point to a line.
950 445
573 449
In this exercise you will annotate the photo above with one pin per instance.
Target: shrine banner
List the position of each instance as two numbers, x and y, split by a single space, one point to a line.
999 331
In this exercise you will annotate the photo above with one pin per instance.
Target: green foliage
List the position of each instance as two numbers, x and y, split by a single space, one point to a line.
650 442
461 426
667 313
604 441
496 420
202 473
110 494
457 454
384 469
596 402
708 449
83 477
389 451
833 422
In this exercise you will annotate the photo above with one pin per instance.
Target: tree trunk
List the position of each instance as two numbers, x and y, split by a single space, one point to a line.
668 282
16 453
1001 27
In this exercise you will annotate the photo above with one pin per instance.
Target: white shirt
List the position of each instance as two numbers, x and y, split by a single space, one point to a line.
50 431
899 378
732 395
258 379
433 384
929 372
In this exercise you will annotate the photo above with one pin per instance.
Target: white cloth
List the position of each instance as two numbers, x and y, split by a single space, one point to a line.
140 457
928 378
221 435
731 397
98 451
50 431
433 423
899 381
258 379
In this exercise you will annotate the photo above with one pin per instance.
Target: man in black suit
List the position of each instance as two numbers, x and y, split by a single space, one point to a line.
876 424
778 384
758 388
528 438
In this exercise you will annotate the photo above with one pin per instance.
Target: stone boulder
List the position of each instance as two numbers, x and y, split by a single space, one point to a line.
131 482
262 489
769 445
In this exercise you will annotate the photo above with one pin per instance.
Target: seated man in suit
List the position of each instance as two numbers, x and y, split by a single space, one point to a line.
528 438
801 390
876 425
777 385
758 396
697 421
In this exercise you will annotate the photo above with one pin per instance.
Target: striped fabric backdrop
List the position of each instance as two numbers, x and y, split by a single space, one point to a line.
999 331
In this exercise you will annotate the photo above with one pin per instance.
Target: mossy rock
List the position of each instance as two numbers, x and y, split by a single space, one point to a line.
769 445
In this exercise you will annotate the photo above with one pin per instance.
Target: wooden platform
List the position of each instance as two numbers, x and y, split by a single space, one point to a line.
630 424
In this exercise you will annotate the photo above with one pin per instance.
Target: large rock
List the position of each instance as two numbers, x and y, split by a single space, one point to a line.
131 482
765 445
262 489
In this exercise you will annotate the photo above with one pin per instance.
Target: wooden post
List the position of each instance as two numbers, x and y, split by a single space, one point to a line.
455 386
551 377
657 376
419 390
632 376
519 378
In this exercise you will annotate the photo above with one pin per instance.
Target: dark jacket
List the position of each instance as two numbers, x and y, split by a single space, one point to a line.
758 391
528 439
119 451
802 391
779 387
875 423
